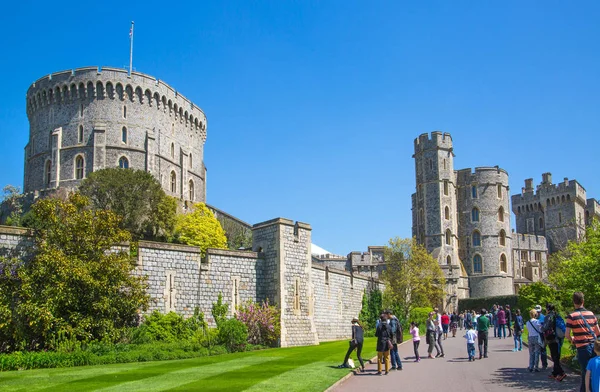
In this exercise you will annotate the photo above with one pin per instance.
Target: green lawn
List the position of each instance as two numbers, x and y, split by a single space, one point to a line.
311 368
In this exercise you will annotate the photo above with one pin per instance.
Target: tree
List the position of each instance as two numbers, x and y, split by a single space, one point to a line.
537 293
371 309
413 277
137 197
72 284
577 269
200 228
12 206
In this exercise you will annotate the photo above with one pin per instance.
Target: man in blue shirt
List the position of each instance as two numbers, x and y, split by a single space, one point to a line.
592 375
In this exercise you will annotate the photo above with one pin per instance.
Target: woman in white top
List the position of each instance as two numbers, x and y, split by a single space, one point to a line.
535 341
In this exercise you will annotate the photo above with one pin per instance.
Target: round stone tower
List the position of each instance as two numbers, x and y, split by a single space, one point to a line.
93 118
435 221
485 235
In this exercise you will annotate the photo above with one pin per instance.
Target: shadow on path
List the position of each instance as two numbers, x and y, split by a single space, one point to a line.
522 379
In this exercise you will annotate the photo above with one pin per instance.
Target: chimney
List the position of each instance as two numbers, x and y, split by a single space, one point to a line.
547 178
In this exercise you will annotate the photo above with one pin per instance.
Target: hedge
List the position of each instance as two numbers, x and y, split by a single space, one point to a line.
487 302
117 354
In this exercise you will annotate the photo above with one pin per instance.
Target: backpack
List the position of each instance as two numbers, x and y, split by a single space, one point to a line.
560 327
399 334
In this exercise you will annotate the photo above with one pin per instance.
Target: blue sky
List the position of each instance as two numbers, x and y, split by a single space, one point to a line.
313 106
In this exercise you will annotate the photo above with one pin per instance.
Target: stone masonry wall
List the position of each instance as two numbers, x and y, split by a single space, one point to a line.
337 298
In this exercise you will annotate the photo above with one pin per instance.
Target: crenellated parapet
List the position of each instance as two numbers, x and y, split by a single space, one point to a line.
91 83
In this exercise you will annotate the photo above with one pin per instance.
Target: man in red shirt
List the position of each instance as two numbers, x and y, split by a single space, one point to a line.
445 324
583 325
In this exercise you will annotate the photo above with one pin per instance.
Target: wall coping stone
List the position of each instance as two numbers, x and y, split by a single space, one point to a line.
234 253
168 246
14 230
345 273
281 221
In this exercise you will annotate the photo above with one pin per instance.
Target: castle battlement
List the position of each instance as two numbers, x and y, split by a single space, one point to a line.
565 190
438 140
482 175
90 83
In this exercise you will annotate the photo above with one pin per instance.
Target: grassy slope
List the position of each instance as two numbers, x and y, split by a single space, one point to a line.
309 368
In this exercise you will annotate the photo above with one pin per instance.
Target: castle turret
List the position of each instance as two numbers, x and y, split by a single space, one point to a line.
435 222
484 230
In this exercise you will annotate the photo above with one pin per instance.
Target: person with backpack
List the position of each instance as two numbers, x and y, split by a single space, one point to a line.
396 338
384 344
584 326
518 331
551 330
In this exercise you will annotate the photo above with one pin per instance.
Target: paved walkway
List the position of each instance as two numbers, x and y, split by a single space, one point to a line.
504 370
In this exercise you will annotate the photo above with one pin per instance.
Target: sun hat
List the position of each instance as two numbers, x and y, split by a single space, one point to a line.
538 308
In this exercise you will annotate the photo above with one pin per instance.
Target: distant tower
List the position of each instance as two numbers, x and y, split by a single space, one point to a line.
434 209
484 230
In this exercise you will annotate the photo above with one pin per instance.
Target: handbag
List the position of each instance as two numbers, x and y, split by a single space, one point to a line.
389 344
352 343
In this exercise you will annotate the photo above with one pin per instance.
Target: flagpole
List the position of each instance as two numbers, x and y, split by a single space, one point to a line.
131 48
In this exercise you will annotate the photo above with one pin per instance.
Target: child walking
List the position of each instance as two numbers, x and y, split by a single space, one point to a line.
414 331
471 335
592 374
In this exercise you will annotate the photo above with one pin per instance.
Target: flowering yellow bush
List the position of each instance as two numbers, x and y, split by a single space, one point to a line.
200 228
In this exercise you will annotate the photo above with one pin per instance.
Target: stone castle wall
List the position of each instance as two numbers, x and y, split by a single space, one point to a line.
104 115
313 308
338 298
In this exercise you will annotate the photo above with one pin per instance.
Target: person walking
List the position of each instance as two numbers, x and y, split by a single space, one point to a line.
551 336
468 318
471 336
445 324
356 343
509 319
483 325
534 341
494 319
396 339
518 332
414 331
461 320
430 337
582 324
454 324
439 334
501 316
543 352
384 344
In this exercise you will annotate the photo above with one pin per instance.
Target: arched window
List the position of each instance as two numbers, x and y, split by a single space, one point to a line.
502 238
173 182
448 237
475 215
81 110
80 134
124 111
446 188
123 163
563 199
476 238
474 191
191 190
173 150
501 214
477 264
553 201
124 135
499 191
541 223
48 173
560 217
503 263
191 161
79 167
448 260
568 197
446 213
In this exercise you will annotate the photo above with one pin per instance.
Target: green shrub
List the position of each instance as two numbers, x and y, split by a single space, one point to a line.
219 310
233 334
420 315
169 327
487 302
